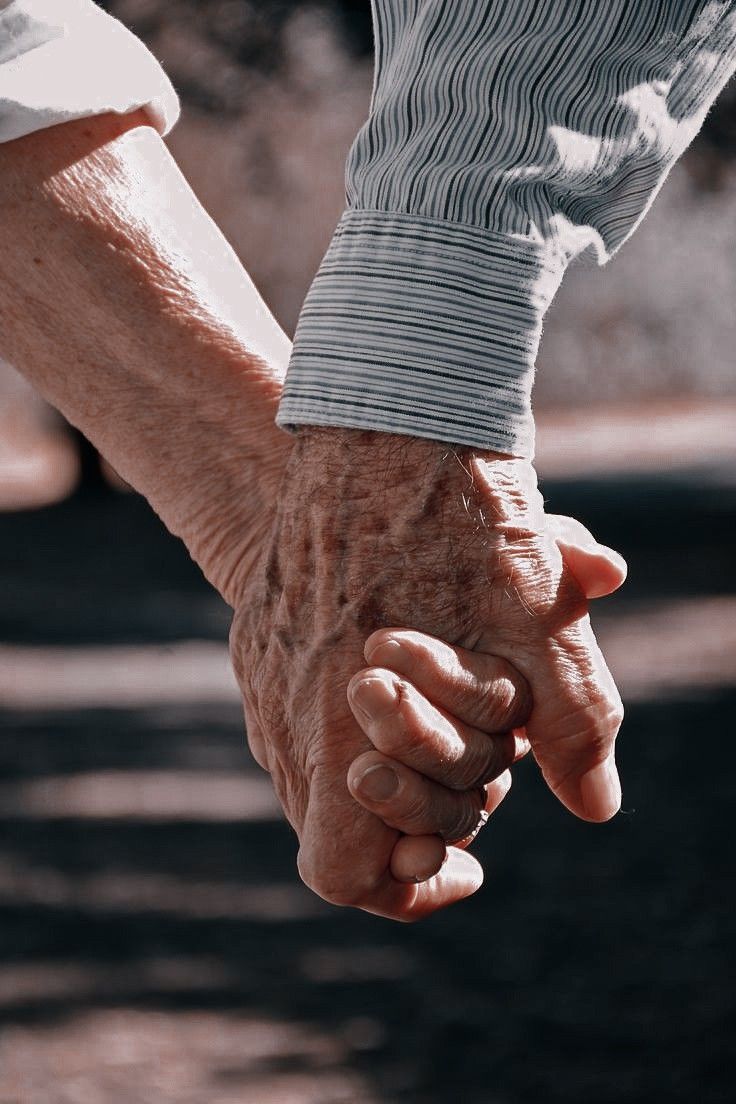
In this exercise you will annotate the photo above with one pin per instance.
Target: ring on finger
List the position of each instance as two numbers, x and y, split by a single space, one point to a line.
483 817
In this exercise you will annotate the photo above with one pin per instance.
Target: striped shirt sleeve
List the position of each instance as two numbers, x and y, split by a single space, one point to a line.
504 138
67 59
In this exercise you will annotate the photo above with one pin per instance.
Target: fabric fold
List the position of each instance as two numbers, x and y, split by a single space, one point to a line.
67 59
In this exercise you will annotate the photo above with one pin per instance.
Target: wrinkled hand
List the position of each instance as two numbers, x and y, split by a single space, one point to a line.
374 530
423 724
443 742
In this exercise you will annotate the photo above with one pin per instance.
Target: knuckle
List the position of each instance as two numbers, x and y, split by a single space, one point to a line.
484 760
259 750
615 716
498 707
417 812
467 772
520 707
499 700
388 737
464 818
590 728
340 895
508 701
400 739
608 713
328 885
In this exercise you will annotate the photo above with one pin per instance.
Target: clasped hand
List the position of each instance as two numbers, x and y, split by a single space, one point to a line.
439 568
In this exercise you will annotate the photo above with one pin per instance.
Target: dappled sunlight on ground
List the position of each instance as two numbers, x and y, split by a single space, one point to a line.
638 438
192 671
156 943
142 1057
142 795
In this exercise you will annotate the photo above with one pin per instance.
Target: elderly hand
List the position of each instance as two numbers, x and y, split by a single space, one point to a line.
173 367
424 724
374 530
300 729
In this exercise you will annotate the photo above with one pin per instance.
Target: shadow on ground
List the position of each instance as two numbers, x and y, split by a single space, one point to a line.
179 959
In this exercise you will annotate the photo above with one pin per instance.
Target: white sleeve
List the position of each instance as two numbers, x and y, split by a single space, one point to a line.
67 59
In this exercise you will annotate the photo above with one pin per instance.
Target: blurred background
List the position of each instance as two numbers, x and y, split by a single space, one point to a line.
155 942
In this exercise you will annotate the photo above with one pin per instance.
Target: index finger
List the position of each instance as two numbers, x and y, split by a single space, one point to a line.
481 690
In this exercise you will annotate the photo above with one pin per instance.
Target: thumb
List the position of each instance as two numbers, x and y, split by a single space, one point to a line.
597 569
573 728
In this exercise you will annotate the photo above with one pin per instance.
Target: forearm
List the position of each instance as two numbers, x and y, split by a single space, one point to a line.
123 303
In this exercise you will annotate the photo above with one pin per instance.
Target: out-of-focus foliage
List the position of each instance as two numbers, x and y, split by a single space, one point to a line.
214 48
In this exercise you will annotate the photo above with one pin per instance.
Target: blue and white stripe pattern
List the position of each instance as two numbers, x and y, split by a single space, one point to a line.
504 138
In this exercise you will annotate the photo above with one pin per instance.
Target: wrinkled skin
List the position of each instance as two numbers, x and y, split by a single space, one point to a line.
376 530
154 342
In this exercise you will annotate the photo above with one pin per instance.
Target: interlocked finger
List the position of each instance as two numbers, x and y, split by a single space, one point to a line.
355 867
598 569
416 859
413 804
402 724
481 690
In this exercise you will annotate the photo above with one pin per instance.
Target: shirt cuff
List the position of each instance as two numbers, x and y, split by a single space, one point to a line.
67 59
423 327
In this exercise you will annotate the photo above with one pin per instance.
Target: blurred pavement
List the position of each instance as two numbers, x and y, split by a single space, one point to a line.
156 944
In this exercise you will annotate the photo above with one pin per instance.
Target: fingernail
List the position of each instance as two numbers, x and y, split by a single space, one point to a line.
375 698
600 790
617 558
504 782
379 783
431 871
386 652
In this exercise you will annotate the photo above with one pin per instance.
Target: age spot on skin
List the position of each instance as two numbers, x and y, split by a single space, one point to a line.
334 544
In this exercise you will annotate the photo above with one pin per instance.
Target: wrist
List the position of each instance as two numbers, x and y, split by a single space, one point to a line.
128 310
396 452
409 528
377 462
212 463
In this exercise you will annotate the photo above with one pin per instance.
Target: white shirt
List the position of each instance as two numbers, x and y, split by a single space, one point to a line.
67 59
